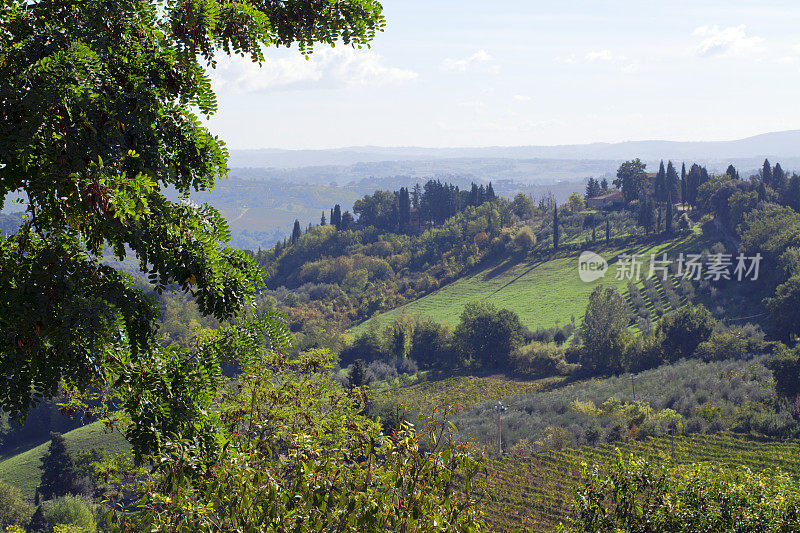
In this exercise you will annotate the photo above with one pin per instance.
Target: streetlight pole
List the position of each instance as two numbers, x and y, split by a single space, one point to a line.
500 408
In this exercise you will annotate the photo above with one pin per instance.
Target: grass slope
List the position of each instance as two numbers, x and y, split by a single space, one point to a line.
542 292
536 492
22 470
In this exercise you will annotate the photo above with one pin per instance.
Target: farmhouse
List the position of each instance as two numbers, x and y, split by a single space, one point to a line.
607 200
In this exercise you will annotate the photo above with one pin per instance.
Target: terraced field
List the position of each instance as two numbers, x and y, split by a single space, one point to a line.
535 491
542 292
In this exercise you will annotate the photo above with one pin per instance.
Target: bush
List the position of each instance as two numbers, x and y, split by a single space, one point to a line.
14 510
732 343
540 358
69 511
525 239
684 329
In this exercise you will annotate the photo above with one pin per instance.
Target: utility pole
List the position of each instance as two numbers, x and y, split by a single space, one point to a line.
500 408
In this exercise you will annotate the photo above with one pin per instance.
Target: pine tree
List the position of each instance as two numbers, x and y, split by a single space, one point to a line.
592 188
660 186
673 184
603 186
296 231
415 196
732 172
58 470
555 227
357 376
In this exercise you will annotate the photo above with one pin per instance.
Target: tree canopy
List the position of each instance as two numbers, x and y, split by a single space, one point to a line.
97 119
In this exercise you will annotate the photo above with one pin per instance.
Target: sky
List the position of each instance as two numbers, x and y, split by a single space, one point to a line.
449 73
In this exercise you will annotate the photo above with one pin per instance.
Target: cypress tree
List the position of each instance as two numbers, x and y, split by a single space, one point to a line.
778 178
490 192
766 173
732 172
322 221
555 227
604 186
660 186
336 216
58 470
683 184
296 231
608 231
673 184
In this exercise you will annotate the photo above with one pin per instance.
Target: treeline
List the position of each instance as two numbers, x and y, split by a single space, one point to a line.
403 211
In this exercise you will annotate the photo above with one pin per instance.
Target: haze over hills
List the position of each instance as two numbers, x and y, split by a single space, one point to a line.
783 144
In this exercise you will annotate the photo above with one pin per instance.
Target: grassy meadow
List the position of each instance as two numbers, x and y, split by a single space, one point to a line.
543 291
22 469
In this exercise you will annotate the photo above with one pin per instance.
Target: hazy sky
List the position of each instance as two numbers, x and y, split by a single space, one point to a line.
468 73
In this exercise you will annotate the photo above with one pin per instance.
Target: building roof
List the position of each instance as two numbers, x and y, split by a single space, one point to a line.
609 196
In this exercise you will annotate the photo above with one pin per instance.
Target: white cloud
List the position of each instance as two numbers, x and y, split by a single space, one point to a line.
727 42
475 105
479 59
599 55
566 60
521 97
325 69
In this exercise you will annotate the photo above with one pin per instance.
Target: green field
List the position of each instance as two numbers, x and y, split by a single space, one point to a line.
535 491
542 292
22 470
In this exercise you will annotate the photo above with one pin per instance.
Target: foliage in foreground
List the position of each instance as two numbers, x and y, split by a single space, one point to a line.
300 457
640 496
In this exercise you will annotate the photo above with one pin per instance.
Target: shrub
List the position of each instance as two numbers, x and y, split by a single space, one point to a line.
69 511
13 509
525 239
684 329
540 358
486 335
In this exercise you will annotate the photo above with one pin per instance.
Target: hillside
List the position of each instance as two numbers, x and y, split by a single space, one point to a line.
543 291
22 470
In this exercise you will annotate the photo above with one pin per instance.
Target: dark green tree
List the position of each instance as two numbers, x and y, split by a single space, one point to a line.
336 216
785 366
632 180
668 216
660 185
647 215
404 206
766 173
684 329
486 336
357 377
673 185
608 231
603 186
322 221
779 179
683 184
98 114
592 189
58 470
296 231
784 309
731 171
603 330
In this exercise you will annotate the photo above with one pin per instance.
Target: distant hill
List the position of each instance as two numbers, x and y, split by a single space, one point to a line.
784 144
